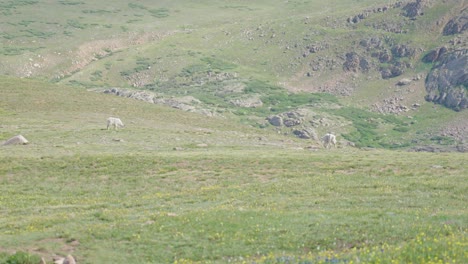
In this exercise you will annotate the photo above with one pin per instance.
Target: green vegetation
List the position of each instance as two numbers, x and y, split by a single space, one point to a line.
160 12
202 206
367 124
19 258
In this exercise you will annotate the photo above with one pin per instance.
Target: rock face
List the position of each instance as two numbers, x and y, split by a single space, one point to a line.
447 82
434 55
457 25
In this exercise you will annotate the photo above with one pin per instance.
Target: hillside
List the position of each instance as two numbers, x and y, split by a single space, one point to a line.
59 120
364 70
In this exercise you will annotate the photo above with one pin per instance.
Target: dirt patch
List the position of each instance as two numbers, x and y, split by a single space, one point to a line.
336 85
96 49
458 130
48 248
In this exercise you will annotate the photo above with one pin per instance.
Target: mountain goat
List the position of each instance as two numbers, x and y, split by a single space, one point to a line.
115 122
16 140
328 140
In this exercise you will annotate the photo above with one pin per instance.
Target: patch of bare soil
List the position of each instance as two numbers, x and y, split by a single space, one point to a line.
337 85
93 50
43 247
457 129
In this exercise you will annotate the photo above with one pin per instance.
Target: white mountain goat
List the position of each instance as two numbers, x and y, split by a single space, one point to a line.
328 140
16 140
114 122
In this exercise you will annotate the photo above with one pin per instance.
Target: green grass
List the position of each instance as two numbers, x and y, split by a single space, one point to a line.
204 207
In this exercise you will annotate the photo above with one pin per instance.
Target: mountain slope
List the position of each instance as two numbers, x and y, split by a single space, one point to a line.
60 120
253 60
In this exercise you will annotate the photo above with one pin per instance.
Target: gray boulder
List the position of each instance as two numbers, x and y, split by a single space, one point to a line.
447 82
306 133
403 82
275 120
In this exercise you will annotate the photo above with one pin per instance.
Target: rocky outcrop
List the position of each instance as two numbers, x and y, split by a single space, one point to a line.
394 70
184 103
447 82
298 122
249 102
434 55
414 9
366 13
306 133
457 25
288 119
389 58
355 63
403 50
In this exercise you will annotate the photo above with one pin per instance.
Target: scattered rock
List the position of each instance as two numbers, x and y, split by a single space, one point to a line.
462 148
425 149
134 94
365 14
391 105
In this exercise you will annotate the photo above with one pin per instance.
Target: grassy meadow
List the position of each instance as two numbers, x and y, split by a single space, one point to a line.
237 206
175 187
